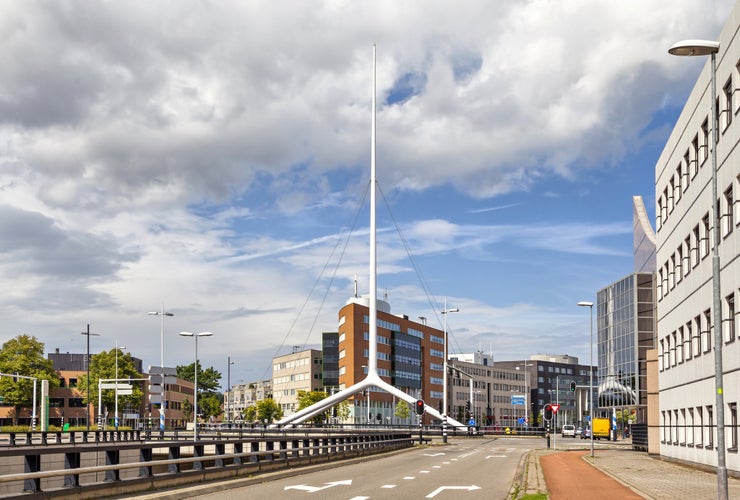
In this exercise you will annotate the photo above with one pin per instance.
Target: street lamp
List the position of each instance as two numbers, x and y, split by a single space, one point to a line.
116 391
711 48
228 389
590 305
445 312
195 383
87 368
526 392
163 404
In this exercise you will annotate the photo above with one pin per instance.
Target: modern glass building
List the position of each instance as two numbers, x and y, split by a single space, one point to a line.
626 331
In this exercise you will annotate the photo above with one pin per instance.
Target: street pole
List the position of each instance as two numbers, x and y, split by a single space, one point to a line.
228 388
87 368
163 404
445 312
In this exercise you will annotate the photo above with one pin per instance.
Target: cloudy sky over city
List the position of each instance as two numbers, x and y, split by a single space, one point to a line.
213 158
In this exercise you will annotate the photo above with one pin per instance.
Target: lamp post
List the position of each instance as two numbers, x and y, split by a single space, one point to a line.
526 393
445 312
228 388
590 305
163 404
195 383
711 48
87 368
116 391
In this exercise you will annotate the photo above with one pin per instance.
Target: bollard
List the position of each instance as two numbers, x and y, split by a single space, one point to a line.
548 440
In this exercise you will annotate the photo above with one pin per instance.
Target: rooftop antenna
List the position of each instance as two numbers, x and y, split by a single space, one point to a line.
356 285
373 378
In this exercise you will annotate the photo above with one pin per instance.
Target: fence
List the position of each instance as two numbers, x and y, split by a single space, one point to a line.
128 462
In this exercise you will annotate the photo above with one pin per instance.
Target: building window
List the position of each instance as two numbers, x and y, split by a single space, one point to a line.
686 254
727 91
710 428
689 342
706 333
695 144
690 429
700 427
733 427
697 336
730 321
728 217
679 346
705 236
677 194
678 263
56 402
695 248
76 403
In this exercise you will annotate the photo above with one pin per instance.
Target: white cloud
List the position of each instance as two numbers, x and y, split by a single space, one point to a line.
207 155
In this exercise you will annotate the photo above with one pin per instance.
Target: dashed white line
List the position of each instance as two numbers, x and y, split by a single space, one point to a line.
388 486
410 477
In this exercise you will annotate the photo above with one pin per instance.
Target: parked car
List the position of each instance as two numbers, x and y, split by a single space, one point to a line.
568 431
579 431
586 433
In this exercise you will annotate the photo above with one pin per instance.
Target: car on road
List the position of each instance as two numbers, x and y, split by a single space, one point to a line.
586 433
579 431
568 431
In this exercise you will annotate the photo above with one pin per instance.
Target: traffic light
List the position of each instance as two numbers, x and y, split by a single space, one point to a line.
419 407
572 386
467 405
548 412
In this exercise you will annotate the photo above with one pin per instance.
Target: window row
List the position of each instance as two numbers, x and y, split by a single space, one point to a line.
697 245
695 428
695 156
694 338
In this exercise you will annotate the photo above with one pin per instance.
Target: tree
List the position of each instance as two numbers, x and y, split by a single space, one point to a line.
24 355
306 399
268 410
209 405
402 410
343 411
250 414
209 380
103 366
187 409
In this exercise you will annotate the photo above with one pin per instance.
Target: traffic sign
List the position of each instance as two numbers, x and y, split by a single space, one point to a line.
113 385
471 422
554 407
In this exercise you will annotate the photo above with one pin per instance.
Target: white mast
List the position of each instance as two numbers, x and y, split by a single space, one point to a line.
372 363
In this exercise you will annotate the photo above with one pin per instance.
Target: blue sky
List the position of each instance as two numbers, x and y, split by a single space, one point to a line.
210 157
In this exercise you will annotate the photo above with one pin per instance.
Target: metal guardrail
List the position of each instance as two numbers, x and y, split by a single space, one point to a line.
157 462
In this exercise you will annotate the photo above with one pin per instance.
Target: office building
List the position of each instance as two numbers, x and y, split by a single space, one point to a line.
685 244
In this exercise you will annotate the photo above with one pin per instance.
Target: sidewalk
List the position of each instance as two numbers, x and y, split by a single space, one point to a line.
635 474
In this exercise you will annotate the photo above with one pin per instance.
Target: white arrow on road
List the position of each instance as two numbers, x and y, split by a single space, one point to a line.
472 487
312 489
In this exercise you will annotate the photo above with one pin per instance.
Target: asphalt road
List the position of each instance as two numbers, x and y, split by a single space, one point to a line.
465 468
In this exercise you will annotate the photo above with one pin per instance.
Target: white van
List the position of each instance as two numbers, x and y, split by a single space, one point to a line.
568 430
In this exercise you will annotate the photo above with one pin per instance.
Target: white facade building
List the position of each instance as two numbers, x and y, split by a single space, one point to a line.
685 343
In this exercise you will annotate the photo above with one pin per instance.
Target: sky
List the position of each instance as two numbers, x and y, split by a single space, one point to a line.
212 159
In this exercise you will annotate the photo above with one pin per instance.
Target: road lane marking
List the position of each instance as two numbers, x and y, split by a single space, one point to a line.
388 486
472 487
423 472
312 489
432 454
496 456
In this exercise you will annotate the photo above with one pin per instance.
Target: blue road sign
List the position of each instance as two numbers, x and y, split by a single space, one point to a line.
471 422
517 399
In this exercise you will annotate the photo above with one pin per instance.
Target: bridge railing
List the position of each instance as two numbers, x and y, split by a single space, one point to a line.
128 466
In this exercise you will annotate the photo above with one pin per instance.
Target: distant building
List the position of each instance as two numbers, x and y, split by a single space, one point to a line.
298 371
246 394
410 357
549 379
